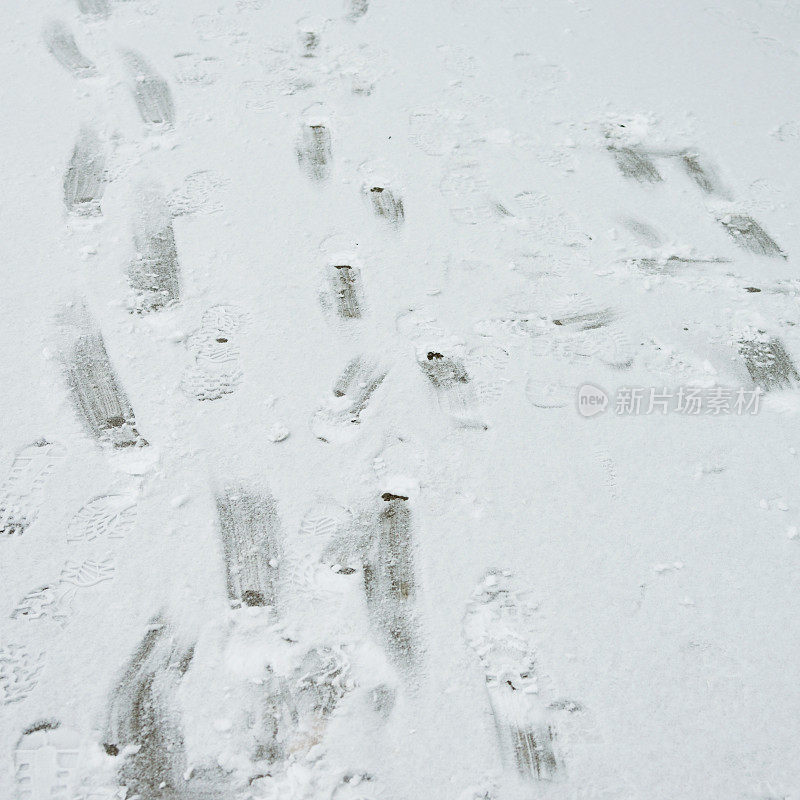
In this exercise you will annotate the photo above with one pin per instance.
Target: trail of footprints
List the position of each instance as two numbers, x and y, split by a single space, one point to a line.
638 162
21 496
302 683
99 524
768 363
355 570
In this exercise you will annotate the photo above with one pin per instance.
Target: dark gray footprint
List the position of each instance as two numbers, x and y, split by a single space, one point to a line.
150 91
251 545
635 164
86 177
390 580
385 204
345 292
769 364
144 729
749 235
314 151
99 399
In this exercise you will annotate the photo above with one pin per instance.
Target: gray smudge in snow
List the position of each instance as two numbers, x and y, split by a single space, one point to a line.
61 44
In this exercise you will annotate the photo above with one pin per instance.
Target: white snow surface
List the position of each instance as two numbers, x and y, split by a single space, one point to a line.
627 582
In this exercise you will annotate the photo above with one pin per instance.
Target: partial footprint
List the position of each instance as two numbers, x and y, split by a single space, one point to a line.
326 572
361 69
19 672
46 761
144 729
356 9
787 132
487 359
61 44
384 201
314 147
454 388
465 188
487 365
22 491
749 235
55 601
99 9
433 131
314 151
701 172
498 628
339 416
199 194
97 394
252 545
635 164
258 95
150 91
344 295
318 683
49 602
86 176
106 517
390 581
290 75
579 336
154 272
577 312
216 368
626 141
419 323
308 36
324 522
769 364
195 70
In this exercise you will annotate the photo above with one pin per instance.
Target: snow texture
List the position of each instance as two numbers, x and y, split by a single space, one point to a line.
400 400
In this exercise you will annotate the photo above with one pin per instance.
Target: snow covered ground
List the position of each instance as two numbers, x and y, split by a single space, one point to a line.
400 400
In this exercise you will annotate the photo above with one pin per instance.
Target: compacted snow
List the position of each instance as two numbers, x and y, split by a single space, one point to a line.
400 400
